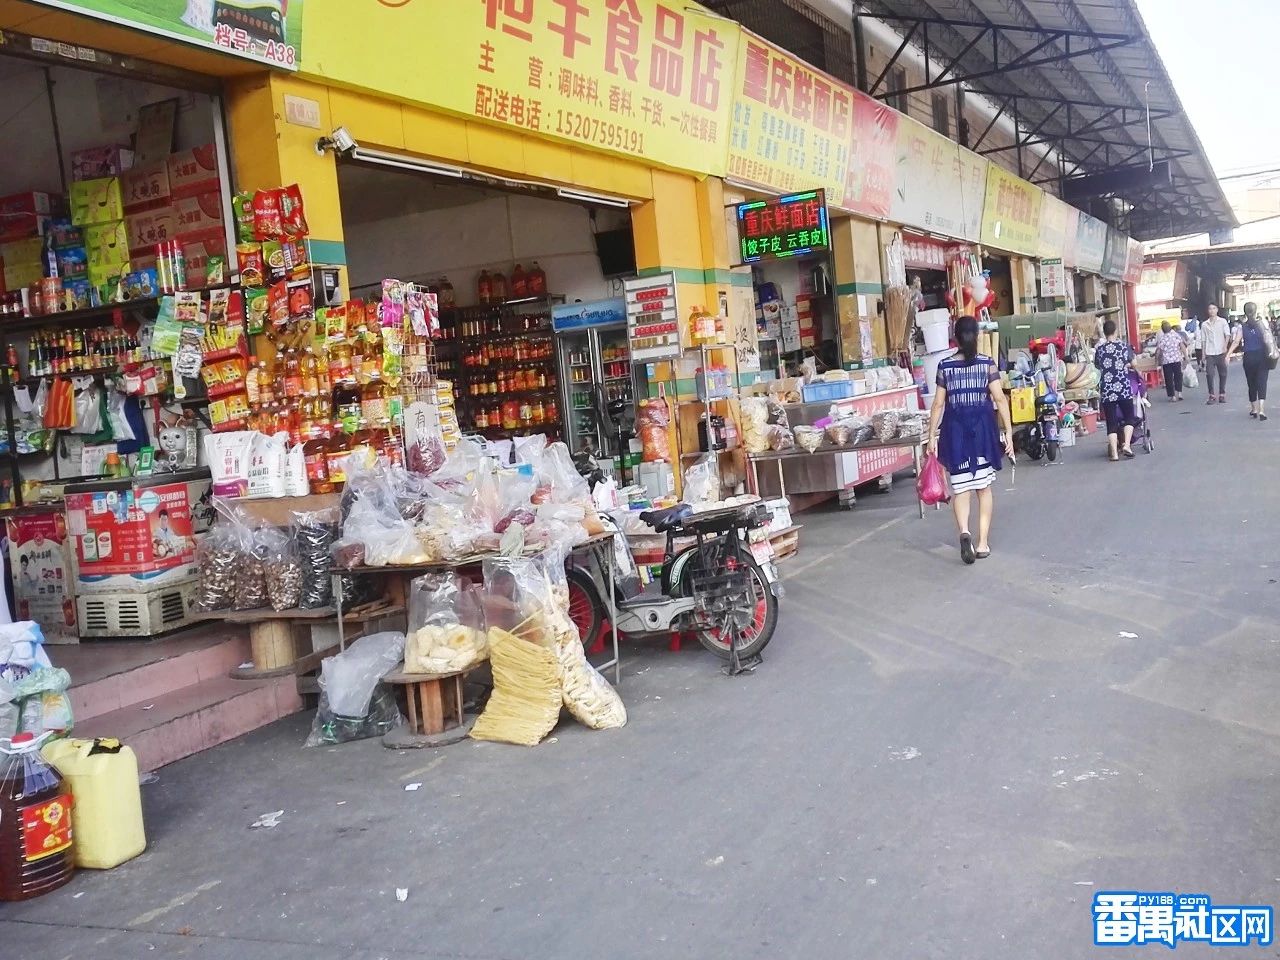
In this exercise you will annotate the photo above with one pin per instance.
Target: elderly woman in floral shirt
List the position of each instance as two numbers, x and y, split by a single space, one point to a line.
1171 351
1113 357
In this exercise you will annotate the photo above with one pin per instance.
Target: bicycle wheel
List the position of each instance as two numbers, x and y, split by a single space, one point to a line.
751 610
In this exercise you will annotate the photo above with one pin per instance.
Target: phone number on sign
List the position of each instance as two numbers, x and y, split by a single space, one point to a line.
591 130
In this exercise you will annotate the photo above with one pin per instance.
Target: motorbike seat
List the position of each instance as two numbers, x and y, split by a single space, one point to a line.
667 519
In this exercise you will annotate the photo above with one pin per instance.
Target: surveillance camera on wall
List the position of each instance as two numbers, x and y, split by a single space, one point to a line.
340 142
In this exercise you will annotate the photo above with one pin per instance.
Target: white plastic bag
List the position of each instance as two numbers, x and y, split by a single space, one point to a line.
1190 378
351 705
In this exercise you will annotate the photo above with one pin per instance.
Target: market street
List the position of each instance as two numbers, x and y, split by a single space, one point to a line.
934 760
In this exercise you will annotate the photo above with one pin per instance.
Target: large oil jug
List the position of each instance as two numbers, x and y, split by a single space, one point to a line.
36 851
107 815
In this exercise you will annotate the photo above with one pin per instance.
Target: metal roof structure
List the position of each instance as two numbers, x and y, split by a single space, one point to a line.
1082 78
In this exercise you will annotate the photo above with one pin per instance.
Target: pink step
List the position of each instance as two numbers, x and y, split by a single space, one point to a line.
195 717
109 676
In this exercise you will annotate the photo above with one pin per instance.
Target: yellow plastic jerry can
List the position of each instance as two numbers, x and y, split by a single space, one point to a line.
106 813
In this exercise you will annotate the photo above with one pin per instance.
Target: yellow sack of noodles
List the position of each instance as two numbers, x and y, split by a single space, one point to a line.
525 704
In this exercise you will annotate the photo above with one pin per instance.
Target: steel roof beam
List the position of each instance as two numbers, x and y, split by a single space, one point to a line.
987 25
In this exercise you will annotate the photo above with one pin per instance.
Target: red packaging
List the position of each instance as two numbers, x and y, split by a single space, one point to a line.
268 220
301 307
249 259
296 262
292 211
278 305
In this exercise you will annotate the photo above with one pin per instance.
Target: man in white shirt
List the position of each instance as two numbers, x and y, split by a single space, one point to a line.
1217 338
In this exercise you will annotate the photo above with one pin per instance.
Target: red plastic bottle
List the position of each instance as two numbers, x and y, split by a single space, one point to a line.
36 855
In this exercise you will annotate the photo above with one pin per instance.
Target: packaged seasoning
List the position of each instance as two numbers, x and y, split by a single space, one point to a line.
297 264
186 306
293 213
268 220
273 261
218 300
301 307
252 268
278 305
215 270
242 207
256 309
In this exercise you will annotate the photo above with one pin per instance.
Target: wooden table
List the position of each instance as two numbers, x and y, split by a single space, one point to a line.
434 699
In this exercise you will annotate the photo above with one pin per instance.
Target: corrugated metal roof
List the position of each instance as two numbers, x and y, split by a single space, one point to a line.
1128 76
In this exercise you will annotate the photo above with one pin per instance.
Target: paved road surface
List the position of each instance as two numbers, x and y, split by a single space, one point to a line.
934 761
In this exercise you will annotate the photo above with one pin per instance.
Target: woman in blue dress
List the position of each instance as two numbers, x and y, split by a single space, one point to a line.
969 445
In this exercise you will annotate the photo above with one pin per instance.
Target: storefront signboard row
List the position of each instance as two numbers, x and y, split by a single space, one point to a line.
269 31
938 185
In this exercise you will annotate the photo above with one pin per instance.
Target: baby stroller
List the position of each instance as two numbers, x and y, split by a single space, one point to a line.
1141 411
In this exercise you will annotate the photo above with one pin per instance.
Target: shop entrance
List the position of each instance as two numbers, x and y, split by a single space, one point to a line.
533 326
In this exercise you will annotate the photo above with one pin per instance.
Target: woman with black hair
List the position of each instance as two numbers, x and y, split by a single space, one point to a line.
965 435
1113 357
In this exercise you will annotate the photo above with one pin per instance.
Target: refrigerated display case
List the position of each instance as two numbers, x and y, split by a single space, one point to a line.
598 381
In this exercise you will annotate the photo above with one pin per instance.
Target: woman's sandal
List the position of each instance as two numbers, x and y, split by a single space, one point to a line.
966 548
1128 453
982 554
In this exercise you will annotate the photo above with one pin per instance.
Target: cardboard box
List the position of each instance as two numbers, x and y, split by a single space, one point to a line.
96 201
135 538
22 253
42 204
199 216
73 263
107 244
17 276
145 187
194 171
19 226
148 228
197 253
95 163
101 275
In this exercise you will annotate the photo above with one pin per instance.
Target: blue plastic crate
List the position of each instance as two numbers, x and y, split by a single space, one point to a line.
835 390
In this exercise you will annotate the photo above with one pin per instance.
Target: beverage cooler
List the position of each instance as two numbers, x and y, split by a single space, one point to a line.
598 382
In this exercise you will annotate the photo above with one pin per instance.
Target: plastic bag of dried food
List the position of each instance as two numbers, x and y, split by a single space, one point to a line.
251 574
778 414
884 425
808 439
702 481
353 704
838 433
315 533
218 558
446 625
780 437
652 424
558 480
282 567
755 424
911 426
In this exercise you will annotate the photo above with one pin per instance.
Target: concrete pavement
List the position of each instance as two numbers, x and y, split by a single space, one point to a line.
934 760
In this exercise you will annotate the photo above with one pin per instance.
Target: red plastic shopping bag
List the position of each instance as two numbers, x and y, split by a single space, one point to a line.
932 482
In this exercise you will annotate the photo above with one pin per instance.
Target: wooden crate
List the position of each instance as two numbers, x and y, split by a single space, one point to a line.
785 543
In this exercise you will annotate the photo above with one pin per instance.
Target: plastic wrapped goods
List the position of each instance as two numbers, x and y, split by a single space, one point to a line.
446 625
653 421
352 704
808 439
755 424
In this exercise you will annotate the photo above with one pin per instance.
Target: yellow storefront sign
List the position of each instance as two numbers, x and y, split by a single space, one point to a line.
1057 231
1011 215
644 79
792 125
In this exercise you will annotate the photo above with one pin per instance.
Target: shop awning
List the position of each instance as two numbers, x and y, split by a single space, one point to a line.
1081 78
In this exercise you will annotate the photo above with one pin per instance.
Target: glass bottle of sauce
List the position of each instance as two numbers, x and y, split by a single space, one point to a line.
519 283
446 293
499 294
484 287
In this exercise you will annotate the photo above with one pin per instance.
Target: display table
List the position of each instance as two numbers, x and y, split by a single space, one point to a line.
912 445
799 472
399 576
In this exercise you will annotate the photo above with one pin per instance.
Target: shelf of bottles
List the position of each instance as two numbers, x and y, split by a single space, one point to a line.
503 365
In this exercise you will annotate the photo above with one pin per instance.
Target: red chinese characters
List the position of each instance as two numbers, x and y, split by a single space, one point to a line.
568 27
666 63
515 17
622 38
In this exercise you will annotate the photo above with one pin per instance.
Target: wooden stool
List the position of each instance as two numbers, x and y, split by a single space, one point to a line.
434 699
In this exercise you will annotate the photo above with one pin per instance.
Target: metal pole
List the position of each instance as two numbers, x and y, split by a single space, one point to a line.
57 134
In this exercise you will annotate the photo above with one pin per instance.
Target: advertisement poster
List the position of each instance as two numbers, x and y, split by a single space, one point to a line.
938 185
870 181
1058 231
639 78
41 573
1011 215
792 125
1137 257
1117 258
653 317
1053 278
1091 243
269 31
134 532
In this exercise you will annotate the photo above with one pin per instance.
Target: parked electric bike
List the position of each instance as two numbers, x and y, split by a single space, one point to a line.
713 587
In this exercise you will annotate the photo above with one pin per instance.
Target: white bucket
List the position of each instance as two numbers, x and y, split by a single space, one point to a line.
936 325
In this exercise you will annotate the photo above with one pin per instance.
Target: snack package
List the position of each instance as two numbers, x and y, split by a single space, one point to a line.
301 307
268 220
252 267
446 625
273 262
278 305
653 421
242 208
297 264
293 213
755 422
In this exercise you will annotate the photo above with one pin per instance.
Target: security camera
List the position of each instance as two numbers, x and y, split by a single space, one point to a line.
340 142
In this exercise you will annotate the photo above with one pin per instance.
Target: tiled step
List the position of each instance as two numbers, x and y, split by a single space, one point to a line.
109 676
195 717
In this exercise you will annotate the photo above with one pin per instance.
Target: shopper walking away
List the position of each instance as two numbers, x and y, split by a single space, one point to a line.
1216 335
965 435
1258 344
1171 350
1113 357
